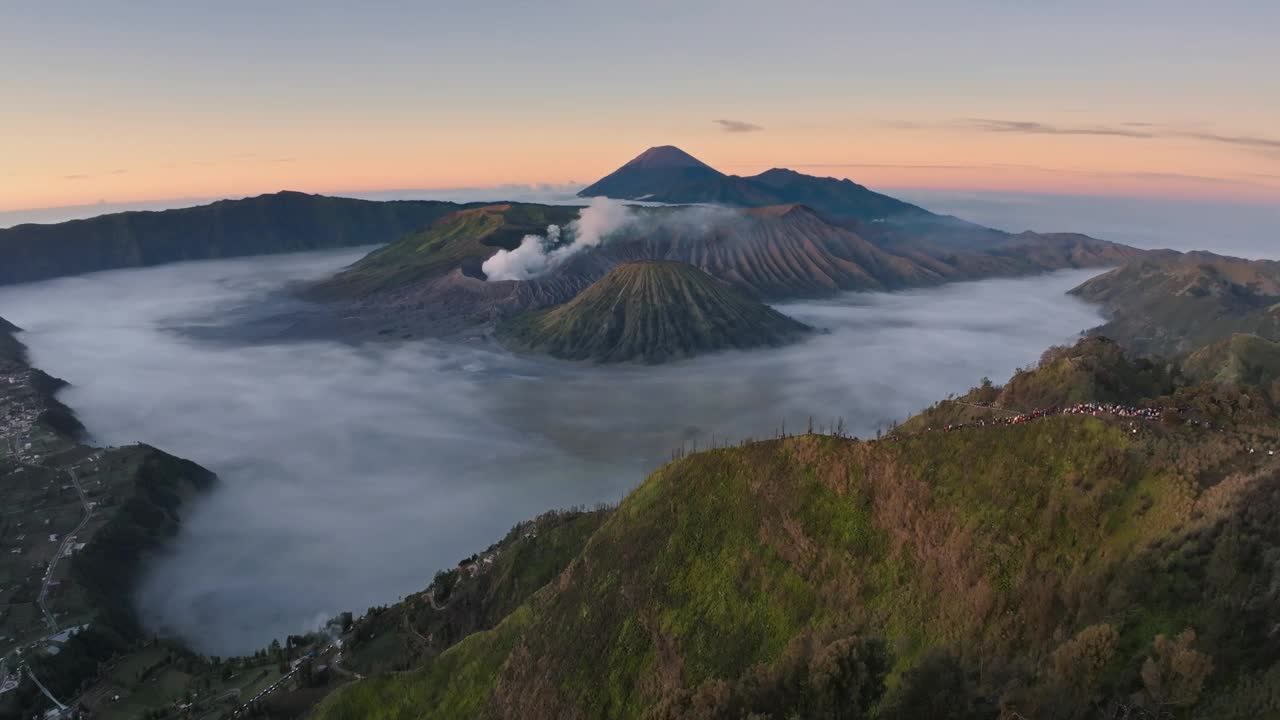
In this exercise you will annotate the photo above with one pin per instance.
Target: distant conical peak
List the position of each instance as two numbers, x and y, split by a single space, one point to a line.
666 156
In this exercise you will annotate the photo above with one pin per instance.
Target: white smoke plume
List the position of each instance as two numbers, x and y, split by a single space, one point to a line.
539 254
531 259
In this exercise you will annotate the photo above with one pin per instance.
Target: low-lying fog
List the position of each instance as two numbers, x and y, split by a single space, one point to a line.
351 474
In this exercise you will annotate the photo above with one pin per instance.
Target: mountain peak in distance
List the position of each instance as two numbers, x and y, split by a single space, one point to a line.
666 156
658 173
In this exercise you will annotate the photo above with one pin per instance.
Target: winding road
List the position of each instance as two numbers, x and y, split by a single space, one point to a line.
5 684
67 540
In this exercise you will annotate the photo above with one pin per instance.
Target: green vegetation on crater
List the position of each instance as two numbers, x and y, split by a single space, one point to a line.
460 240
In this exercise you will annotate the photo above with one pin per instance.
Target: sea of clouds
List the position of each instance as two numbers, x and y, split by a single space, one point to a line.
351 473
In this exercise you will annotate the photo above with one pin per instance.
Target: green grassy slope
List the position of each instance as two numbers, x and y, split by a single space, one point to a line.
474 596
1246 359
652 312
463 239
1094 370
1177 305
1009 549
280 222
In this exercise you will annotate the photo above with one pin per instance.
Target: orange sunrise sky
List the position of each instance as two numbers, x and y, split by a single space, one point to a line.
139 102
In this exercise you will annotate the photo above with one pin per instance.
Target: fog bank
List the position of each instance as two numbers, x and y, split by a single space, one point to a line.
351 474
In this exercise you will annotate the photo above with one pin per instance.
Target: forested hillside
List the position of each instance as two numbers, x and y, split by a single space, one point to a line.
1065 565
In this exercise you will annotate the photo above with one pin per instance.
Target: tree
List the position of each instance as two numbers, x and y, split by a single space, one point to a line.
937 688
847 678
1175 672
1081 660
842 680
306 673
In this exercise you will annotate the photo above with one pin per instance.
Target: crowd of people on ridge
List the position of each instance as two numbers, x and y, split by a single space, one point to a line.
1091 408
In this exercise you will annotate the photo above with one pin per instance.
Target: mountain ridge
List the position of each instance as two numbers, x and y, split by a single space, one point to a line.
285 221
292 221
1173 304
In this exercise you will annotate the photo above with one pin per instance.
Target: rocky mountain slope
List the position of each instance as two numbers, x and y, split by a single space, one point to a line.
280 222
651 311
1175 304
1073 566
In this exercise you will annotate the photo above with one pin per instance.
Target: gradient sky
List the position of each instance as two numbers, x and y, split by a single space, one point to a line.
130 102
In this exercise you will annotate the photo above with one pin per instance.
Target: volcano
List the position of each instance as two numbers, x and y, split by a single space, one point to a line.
651 312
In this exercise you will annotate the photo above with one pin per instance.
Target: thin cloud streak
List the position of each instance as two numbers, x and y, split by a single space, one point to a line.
86 176
1032 127
738 126
1045 169
1135 130
1241 140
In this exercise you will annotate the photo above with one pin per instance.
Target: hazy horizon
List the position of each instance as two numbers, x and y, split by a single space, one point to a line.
1244 229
